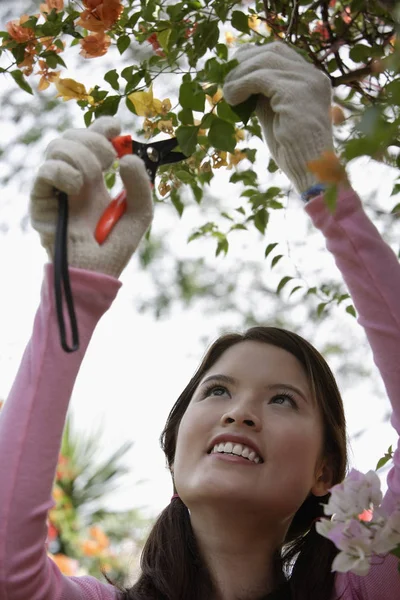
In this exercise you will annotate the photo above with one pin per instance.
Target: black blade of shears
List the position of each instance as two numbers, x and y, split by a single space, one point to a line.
156 154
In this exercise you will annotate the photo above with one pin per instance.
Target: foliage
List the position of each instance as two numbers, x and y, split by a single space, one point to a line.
83 535
353 42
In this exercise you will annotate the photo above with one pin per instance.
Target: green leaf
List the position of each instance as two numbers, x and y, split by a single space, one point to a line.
248 177
282 283
245 109
187 138
269 248
222 246
186 116
240 21
321 308
261 220
272 166
109 106
382 461
176 201
110 180
206 36
164 37
207 120
330 197
275 260
112 78
295 289
149 10
360 53
191 95
133 81
20 80
222 51
123 42
396 189
222 135
88 116
225 112
184 176
351 310
197 192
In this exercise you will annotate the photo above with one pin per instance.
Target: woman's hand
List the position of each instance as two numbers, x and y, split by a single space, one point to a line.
75 164
293 106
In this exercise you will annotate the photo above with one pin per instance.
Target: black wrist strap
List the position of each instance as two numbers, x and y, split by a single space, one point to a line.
61 276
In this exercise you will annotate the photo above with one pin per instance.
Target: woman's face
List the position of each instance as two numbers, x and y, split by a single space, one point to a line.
267 402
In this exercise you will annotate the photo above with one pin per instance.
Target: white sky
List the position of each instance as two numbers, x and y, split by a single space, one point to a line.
135 367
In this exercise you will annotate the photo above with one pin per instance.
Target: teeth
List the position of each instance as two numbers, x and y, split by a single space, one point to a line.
238 450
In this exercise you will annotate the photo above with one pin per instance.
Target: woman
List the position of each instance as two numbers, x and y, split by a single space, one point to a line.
254 450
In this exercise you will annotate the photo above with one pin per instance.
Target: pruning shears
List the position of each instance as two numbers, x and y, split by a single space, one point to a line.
154 155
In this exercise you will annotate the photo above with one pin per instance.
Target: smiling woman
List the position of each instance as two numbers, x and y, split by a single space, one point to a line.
245 513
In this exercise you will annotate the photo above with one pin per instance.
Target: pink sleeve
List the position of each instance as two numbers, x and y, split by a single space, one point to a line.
31 427
371 272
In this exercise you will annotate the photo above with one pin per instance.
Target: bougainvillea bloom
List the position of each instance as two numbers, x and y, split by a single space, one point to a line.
19 33
100 15
95 45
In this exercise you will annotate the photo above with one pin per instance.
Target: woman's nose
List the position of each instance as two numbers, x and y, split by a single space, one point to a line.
242 416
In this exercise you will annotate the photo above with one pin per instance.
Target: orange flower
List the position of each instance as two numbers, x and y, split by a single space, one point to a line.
67 566
322 30
328 168
95 45
90 548
29 59
19 33
99 536
48 6
337 115
100 15
47 77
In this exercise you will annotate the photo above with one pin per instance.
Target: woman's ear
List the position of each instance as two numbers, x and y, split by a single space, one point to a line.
324 480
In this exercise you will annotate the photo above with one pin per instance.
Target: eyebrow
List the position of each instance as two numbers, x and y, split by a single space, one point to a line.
274 386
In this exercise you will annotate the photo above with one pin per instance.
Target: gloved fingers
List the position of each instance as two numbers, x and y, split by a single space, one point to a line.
56 174
77 156
246 85
110 127
277 55
271 70
137 185
96 143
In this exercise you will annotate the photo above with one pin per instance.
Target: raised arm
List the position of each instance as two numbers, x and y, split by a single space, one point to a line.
286 83
32 420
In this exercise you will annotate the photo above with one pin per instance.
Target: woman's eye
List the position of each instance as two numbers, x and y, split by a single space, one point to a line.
287 397
212 389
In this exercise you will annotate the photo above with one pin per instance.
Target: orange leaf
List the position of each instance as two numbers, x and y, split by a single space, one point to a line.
328 168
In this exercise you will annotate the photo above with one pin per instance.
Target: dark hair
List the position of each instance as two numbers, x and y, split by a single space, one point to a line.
171 565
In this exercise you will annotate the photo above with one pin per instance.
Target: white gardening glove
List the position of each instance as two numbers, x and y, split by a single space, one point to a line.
293 106
75 164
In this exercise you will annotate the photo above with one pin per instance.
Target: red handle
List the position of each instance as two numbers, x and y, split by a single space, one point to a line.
122 145
117 207
110 217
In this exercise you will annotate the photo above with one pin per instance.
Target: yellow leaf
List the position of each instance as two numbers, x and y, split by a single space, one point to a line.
229 37
328 168
253 22
145 104
213 100
69 89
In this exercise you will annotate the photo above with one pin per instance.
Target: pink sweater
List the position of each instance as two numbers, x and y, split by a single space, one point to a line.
32 420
